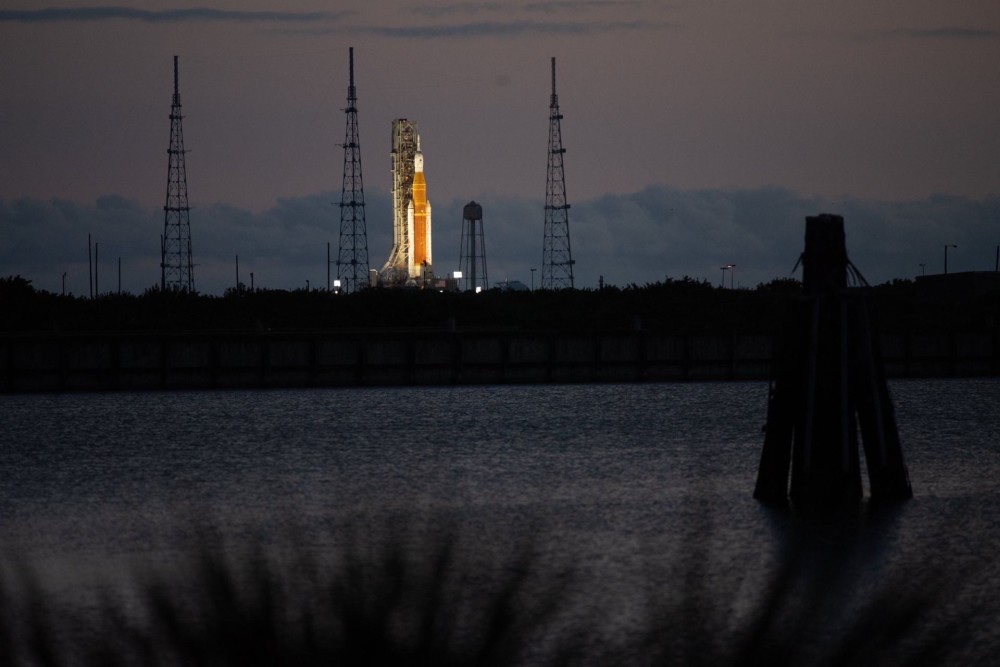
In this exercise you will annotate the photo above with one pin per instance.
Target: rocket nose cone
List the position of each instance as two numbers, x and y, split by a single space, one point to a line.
418 161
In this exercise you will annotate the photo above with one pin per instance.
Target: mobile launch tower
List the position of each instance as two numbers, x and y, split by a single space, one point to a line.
410 258
176 264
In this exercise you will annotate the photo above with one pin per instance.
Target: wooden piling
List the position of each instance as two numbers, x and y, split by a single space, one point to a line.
828 383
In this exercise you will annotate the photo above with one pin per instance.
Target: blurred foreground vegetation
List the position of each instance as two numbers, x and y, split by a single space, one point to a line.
442 599
672 306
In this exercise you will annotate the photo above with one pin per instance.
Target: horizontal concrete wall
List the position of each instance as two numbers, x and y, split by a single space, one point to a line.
941 355
125 362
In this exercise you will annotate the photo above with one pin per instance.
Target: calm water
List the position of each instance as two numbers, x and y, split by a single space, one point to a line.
615 480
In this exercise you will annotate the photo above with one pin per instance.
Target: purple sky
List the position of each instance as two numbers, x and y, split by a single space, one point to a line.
698 132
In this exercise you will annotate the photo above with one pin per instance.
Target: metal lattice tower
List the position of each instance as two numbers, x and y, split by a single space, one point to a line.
472 253
176 263
557 260
352 260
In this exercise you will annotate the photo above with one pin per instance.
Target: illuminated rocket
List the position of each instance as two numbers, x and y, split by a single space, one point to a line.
418 221
410 258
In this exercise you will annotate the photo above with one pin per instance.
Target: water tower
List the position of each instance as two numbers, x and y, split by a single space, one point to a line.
472 254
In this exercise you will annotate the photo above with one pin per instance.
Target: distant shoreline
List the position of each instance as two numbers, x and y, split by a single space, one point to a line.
677 330
200 360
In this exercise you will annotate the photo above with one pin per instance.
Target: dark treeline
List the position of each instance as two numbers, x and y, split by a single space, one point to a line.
673 306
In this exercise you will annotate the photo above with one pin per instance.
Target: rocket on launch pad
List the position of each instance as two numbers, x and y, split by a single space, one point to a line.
418 220
410 258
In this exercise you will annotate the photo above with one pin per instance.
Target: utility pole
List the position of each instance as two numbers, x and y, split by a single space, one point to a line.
946 246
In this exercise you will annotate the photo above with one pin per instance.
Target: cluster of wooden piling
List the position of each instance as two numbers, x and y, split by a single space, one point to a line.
828 383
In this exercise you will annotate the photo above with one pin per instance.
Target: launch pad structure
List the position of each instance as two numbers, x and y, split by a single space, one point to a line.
410 260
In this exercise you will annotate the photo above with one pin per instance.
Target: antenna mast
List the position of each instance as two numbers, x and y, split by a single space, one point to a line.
557 260
352 260
176 264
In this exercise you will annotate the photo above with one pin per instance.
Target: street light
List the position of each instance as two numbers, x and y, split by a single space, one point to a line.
946 246
533 279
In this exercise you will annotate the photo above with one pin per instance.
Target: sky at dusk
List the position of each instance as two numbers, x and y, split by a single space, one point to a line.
698 133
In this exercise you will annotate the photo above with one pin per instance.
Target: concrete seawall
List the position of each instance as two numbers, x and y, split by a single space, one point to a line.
202 361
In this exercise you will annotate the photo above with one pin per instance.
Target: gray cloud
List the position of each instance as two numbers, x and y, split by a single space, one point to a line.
80 14
660 231
552 6
953 33
544 6
40 240
639 237
512 28
467 8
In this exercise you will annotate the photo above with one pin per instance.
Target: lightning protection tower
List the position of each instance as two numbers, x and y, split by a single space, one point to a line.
557 260
472 253
176 264
352 260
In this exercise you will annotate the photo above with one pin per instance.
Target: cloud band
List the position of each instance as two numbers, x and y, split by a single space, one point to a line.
81 14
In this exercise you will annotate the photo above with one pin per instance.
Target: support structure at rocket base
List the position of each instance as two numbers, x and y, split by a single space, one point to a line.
410 260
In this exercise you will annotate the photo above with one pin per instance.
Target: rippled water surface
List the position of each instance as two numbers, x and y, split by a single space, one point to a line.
617 480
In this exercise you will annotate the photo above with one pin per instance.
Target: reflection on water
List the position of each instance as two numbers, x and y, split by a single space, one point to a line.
632 486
